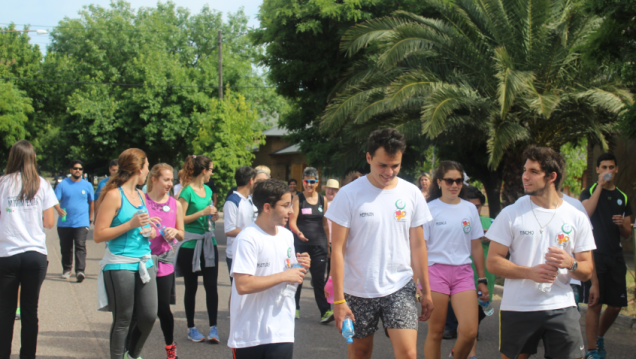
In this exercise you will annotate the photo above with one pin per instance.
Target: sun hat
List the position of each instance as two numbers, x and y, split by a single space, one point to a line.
332 183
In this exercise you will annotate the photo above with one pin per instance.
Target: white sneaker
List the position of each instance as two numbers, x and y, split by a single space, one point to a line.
66 275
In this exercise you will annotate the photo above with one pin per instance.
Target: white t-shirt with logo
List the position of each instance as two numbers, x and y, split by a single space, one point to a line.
265 317
378 254
516 227
450 233
21 226
238 212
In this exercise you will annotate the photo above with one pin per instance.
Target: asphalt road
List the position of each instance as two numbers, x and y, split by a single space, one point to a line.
71 326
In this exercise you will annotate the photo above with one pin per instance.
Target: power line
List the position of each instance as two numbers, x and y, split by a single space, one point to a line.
129 85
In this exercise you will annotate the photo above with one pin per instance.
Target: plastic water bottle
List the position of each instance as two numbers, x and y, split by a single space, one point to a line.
145 230
212 223
290 288
64 216
607 177
488 309
547 287
347 329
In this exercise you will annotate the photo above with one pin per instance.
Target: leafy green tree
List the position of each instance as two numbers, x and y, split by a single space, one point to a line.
613 45
14 109
503 73
227 134
174 53
302 56
575 155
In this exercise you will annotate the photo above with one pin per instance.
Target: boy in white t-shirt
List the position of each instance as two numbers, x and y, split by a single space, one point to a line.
377 247
263 306
239 210
549 242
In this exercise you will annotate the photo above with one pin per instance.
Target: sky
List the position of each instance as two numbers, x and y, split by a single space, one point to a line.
44 14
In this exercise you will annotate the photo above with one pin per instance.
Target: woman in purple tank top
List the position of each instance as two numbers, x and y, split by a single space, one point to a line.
160 204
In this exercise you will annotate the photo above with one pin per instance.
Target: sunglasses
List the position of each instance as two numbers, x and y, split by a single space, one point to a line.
77 168
450 181
310 181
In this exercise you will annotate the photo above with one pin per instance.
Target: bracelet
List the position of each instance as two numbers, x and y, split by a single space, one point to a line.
339 301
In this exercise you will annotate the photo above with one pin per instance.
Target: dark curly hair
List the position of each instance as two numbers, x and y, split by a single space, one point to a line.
193 167
389 138
549 161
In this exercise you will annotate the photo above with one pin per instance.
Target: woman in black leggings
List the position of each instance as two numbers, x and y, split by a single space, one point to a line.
198 254
27 202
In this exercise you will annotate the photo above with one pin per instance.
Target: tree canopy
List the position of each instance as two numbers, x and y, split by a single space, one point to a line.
506 72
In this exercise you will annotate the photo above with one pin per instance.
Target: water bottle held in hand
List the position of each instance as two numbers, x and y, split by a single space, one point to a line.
607 177
64 216
212 223
290 288
488 309
547 287
145 230
347 329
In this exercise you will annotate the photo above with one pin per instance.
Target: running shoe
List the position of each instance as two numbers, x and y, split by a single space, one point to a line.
600 347
171 351
194 335
452 353
80 277
328 317
592 354
297 313
66 275
213 335
18 316
127 356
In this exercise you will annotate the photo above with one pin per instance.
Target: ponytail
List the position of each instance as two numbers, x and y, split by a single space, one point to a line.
130 162
193 167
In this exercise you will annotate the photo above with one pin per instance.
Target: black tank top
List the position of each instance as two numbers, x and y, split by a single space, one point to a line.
310 221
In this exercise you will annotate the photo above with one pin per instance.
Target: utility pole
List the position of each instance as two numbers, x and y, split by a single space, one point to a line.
220 66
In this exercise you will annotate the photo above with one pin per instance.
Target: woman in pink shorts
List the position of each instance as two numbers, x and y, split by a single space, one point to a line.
169 211
451 238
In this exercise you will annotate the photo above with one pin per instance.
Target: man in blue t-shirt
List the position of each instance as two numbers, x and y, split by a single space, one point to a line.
75 212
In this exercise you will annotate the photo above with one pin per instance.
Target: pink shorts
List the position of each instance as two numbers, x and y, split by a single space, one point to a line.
449 279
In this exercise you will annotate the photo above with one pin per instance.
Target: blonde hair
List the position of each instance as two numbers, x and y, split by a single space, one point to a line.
263 169
419 179
155 172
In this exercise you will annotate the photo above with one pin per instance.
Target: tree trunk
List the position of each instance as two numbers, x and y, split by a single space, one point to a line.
492 185
512 171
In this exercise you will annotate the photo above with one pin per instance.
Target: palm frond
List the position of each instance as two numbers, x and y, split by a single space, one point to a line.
511 82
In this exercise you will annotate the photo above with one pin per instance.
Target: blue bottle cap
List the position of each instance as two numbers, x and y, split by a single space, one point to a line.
349 340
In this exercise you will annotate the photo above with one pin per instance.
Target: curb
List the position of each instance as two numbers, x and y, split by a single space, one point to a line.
622 322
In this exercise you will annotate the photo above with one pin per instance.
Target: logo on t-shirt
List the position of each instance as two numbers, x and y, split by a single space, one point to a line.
567 228
400 213
366 214
320 209
526 233
619 201
9 210
83 192
288 260
262 265
562 239
466 225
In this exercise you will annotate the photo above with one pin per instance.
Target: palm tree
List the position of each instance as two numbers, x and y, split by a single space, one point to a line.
506 72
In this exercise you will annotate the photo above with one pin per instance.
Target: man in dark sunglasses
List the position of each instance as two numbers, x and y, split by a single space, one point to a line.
75 212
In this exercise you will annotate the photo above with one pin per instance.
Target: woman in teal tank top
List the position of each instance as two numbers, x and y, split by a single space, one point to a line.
128 287
198 254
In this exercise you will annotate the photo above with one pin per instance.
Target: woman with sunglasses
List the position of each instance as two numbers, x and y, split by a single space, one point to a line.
310 225
198 255
451 238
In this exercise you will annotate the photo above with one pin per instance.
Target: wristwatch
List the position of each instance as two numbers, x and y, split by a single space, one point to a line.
575 265
482 280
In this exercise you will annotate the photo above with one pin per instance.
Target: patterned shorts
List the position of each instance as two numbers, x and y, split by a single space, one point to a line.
398 311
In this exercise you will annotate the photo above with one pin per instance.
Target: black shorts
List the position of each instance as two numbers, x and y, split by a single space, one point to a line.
398 311
520 332
612 285
265 351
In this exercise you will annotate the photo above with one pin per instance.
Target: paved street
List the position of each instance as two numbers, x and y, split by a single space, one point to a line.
71 326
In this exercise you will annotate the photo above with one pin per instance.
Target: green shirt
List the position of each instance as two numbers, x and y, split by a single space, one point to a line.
196 203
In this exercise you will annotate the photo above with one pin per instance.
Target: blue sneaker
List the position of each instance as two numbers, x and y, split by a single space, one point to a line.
592 354
213 336
194 335
600 346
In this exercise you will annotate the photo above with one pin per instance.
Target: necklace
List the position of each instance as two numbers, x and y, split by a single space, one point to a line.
535 216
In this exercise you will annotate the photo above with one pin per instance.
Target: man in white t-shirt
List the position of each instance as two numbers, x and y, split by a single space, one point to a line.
263 305
549 242
377 247
238 210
